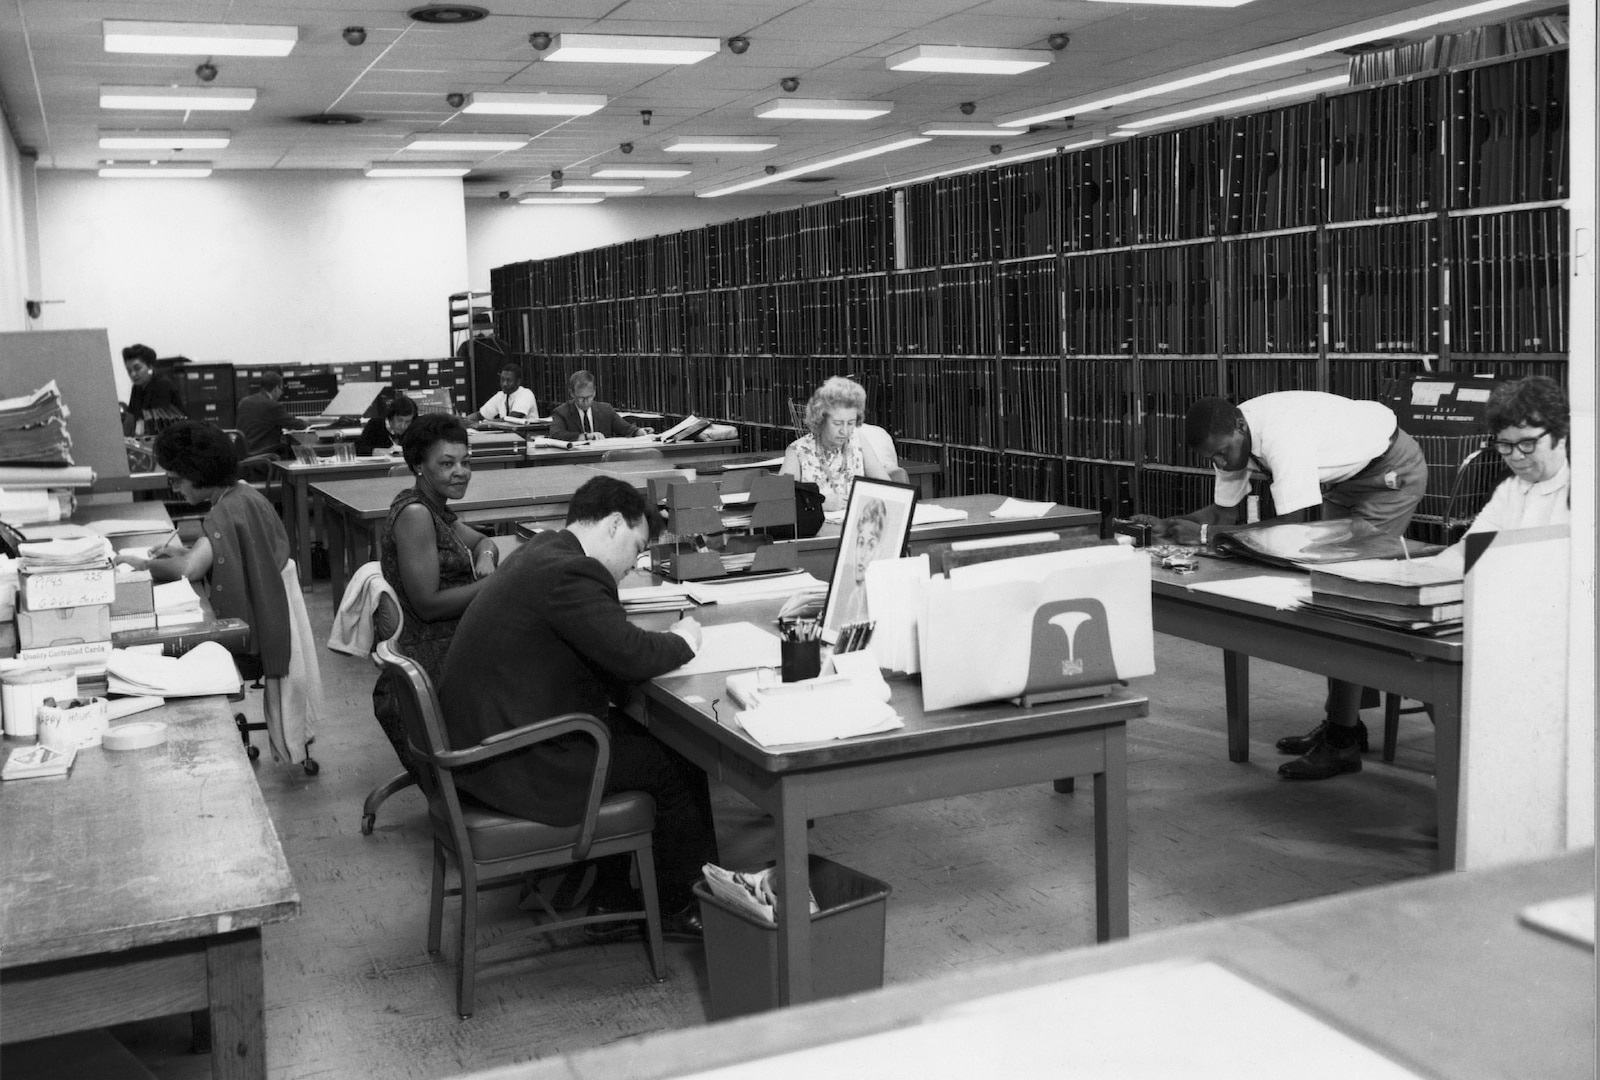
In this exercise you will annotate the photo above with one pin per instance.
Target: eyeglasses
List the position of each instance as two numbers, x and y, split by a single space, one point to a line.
1521 446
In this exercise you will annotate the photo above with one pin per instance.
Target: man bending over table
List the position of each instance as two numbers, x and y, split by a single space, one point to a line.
1314 449
546 635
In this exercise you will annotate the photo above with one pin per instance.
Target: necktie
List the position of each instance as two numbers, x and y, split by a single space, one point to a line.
588 428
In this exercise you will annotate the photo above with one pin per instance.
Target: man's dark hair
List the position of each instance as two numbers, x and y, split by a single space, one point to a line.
1536 401
603 496
580 378
269 381
200 453
433 428
400 405
1210 417
139 352
512 365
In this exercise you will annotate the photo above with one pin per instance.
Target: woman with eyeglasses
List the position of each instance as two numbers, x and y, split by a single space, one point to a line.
1530 421
830 454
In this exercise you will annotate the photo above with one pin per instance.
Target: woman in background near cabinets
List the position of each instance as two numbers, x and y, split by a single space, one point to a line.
830 455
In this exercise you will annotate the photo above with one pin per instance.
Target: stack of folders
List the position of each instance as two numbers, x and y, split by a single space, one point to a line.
650 598
177 604
1416 595
812 710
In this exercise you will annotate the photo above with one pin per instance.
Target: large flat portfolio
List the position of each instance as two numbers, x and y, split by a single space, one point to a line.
1042 625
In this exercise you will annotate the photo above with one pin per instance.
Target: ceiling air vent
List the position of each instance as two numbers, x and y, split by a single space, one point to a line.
333 119
448 14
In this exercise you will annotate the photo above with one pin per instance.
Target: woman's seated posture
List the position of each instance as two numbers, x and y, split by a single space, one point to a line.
434 562
831 455
386 426
243 556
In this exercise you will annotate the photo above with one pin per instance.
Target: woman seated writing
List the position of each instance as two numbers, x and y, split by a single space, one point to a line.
243 555
385 427
831 455
434 562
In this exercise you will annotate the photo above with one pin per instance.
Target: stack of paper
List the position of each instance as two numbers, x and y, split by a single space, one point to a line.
68 553
207 668
177 604
650 598
33 428
1022 508
933 513
730 647
29 505
894 596
762 587
817 710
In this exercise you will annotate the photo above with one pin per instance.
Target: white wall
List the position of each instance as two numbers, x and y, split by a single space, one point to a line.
15 194
255 267
503 231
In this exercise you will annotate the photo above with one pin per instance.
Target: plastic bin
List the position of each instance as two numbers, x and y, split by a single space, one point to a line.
846 942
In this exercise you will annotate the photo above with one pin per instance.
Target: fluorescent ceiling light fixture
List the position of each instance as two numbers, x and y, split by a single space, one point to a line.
987 131
496 104
1009 159
188 170
605 189
822 109
900 143
1180 3
198 39
964 60
534 199
719 144
450 141
164 140
400 170
629 49
638 172
181 98
1373 32
1231 104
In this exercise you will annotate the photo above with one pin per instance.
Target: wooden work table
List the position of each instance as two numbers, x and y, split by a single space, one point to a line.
137 887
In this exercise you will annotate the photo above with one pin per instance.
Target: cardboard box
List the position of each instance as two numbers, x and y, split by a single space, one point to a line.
86 659
135 593
44 590
63 626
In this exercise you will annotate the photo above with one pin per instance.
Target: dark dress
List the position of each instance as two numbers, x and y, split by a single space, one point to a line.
423 641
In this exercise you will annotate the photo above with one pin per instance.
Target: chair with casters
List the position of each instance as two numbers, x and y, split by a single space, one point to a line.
254 469
386 623
633 453
250 668
493 850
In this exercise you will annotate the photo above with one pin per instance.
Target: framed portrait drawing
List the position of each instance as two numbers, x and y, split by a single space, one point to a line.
877 522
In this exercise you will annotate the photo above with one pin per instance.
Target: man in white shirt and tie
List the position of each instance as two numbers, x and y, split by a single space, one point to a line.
513 402
583 419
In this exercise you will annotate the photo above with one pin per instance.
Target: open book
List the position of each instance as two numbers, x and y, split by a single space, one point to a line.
684 430
1317 542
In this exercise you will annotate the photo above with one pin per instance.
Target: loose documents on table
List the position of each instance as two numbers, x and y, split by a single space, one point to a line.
1273 591
732 646
1022 508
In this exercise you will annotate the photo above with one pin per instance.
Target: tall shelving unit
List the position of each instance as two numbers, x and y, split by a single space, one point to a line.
1040 328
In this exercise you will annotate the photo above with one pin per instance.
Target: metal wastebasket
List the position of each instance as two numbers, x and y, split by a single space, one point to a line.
846 942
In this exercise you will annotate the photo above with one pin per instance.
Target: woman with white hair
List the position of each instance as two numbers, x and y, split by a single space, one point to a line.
831 455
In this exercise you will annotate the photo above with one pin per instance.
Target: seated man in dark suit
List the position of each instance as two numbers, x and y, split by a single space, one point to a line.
546 636
583 419
262 419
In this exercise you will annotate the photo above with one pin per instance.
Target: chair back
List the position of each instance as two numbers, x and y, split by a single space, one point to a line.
425 736
387 619
633 453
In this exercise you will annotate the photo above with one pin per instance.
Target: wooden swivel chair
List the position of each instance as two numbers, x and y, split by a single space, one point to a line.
491 849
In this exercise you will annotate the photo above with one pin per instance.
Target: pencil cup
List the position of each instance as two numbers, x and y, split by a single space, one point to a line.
801 659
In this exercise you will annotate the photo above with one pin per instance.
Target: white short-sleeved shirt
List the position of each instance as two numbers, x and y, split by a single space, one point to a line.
1303 441
521 401
1517 504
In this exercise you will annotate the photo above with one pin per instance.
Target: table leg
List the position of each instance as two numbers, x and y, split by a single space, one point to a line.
302 526
794 919
1111 839
1236 693
1447 770
338 538
238 1006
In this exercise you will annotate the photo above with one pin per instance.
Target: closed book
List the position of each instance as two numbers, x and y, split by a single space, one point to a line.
1393 581
1410 613
123 623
